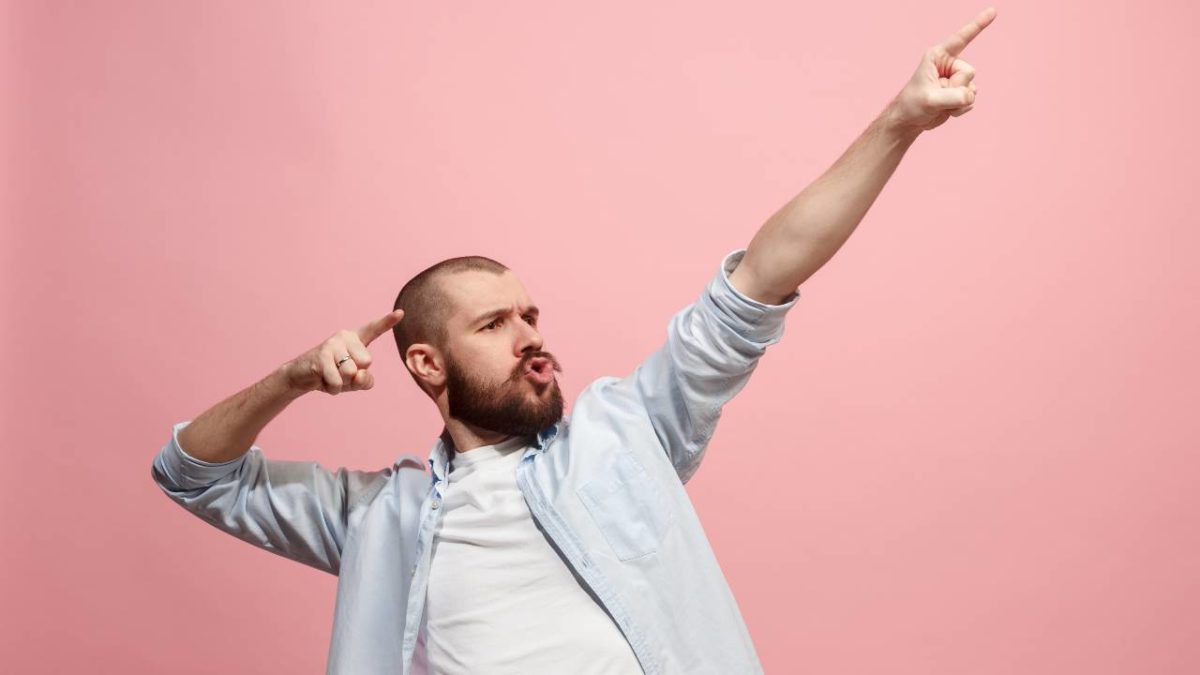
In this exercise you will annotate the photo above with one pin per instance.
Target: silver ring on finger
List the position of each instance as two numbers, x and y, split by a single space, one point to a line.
343 360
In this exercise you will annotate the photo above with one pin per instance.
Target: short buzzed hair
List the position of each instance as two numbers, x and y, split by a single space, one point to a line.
426 305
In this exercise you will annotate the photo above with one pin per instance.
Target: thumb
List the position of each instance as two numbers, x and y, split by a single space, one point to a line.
363 379
950 97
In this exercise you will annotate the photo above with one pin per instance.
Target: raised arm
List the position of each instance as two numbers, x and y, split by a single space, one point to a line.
714 344
225 431
805 233
299 510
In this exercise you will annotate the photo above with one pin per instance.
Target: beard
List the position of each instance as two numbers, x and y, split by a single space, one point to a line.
504 407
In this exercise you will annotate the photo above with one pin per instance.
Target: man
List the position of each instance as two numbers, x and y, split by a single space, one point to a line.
538 543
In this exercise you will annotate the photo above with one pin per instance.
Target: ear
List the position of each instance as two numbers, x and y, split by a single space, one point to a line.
425 363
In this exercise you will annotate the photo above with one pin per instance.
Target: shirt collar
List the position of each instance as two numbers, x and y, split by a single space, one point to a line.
439 454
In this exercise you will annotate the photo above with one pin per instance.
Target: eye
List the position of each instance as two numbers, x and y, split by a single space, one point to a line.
495 323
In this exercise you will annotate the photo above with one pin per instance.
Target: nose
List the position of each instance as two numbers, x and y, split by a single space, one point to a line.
530 339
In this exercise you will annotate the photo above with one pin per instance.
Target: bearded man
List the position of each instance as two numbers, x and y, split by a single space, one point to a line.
536 542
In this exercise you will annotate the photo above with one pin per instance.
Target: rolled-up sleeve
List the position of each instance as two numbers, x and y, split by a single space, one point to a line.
185 472
755 321
297 509
712 347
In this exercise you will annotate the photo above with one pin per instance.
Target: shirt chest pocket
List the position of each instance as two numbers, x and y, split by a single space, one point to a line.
629 508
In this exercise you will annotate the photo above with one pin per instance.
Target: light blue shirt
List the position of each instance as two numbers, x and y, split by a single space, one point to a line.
605 483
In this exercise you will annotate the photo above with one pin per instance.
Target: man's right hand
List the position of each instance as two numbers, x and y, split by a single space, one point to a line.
317 368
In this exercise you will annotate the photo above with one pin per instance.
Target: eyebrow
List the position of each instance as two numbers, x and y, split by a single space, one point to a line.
486 317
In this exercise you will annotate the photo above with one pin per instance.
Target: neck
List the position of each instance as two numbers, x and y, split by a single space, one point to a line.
466 437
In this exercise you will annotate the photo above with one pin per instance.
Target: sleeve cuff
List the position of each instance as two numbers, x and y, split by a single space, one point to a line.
189 472
756 321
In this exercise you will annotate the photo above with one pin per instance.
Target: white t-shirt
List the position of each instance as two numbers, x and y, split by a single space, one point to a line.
500 598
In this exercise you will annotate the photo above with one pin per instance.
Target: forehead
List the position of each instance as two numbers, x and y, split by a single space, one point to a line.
474 292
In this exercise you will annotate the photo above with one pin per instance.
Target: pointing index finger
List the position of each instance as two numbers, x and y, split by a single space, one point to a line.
378 327
959 40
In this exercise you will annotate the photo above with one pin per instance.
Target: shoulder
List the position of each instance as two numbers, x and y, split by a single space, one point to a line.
408 461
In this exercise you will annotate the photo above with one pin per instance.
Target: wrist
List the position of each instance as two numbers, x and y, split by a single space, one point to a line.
279 385
893 124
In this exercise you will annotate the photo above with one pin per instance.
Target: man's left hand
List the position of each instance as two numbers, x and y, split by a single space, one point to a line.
942 87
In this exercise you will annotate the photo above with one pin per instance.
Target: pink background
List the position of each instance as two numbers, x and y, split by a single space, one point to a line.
974 451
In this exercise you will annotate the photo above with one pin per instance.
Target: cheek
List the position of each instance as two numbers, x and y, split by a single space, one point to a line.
494 367
487 362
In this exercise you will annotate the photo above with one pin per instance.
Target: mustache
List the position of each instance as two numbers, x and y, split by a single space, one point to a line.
519 371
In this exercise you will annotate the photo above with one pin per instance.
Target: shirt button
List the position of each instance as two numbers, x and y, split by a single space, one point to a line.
437 503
